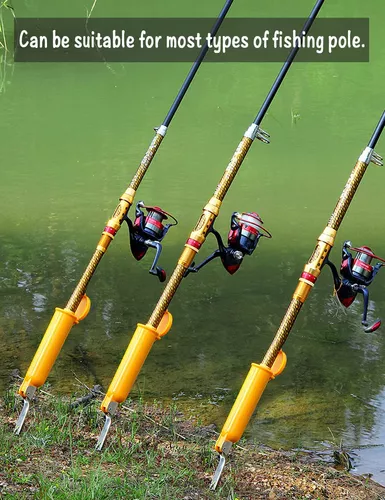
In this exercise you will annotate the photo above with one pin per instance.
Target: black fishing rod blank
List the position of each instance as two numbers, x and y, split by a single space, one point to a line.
195 66
376 134
285 68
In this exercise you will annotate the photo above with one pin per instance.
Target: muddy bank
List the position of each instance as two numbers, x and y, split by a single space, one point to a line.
152 452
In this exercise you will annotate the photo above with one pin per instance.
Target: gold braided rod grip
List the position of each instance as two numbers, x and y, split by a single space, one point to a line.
114 224
198 235
314 266
232 168
283 332
347 195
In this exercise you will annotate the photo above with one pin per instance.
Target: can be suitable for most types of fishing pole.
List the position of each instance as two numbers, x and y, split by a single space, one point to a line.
146 231
160 322
275 360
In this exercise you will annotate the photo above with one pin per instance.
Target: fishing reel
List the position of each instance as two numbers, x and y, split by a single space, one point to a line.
245 231
357 273
148 231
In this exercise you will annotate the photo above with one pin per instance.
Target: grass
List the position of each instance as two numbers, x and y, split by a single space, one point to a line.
152 452
144 457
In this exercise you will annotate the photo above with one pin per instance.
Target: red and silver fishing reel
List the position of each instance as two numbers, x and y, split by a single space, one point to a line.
246 229
148 231
357 273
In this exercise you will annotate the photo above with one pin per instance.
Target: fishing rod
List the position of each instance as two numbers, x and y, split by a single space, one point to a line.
274 361
146 231
161 320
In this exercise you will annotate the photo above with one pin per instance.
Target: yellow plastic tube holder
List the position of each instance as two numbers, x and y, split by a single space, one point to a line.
61 323
133 360
247 400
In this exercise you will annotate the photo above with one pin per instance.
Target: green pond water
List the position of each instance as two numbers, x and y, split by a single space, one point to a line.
71 138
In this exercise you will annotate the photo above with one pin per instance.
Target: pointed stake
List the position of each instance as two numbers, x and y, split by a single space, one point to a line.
218 472
103 434
23 414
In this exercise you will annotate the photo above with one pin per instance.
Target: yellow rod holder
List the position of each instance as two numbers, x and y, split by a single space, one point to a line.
259 375
49 348
129 368
247 400
53 340
132 362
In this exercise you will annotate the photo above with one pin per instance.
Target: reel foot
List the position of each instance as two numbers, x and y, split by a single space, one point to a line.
103 434
218 472
21 419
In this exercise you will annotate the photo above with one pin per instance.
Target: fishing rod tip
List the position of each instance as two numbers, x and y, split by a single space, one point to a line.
103 434
218 472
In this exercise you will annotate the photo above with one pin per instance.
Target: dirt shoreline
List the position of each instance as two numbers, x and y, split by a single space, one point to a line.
152 452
